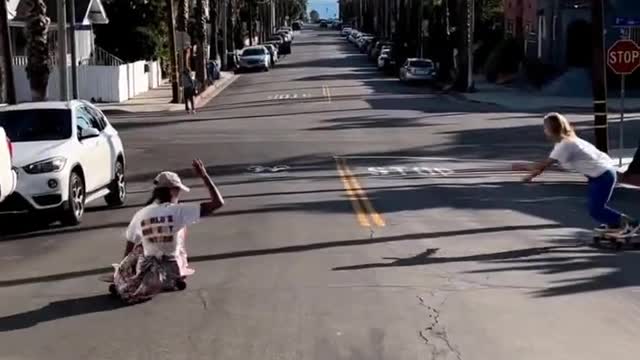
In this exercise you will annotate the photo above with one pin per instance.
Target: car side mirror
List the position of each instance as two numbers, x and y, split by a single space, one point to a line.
88 133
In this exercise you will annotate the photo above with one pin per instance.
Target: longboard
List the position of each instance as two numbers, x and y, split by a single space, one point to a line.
615 241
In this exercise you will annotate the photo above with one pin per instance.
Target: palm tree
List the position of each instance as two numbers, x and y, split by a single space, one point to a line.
182 18
199 38
39 58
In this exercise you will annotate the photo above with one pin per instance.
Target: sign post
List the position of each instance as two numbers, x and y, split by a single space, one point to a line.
623 58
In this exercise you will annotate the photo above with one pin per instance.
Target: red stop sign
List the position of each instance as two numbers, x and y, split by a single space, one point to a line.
623 57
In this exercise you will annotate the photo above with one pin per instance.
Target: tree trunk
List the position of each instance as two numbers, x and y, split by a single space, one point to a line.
200 37
213 15
38 56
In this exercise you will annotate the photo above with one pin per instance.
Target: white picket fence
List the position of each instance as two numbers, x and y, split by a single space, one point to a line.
98 83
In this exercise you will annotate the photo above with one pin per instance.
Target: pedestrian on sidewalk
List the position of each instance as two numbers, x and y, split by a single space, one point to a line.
574 153
155 256
189 90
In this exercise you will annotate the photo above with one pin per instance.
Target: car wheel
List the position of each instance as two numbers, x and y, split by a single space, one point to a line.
73 209
118 188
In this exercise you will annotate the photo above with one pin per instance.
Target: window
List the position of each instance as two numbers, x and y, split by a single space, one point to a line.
509 27
96 117
83 120
36 124
554 24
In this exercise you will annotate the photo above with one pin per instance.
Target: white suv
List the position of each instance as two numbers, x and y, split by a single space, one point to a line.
66 154
8 176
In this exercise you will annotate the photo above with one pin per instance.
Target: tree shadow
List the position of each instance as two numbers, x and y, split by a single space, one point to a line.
292 249
59 310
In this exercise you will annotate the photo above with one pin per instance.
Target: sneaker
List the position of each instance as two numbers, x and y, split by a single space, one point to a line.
606 229
630 230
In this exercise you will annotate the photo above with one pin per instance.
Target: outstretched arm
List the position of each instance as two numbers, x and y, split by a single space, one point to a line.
216 202
538 168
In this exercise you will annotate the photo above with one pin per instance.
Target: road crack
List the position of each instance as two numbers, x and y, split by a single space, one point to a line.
435 335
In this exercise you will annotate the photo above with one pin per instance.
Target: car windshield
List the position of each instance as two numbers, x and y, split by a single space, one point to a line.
253 52
421 64
36 125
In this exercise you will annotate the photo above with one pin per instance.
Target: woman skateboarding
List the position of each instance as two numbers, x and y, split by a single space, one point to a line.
574 153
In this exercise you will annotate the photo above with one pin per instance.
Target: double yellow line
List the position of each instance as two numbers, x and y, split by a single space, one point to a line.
326 92
366 214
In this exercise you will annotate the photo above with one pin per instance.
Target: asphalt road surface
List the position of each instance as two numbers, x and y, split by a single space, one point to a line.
365 220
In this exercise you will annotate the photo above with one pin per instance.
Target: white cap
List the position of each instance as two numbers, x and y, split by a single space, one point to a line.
168 179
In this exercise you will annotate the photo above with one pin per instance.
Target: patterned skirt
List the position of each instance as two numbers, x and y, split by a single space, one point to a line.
138 278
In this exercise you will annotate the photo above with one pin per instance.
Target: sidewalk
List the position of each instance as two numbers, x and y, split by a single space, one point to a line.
159 99
516 99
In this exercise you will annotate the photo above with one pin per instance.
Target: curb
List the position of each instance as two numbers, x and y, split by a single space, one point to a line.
569 109
210 93
213 91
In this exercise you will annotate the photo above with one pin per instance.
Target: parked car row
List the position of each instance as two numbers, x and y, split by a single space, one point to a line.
266 55
59 156
382 52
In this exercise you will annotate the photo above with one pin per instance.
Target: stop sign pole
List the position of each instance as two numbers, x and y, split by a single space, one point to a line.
623 58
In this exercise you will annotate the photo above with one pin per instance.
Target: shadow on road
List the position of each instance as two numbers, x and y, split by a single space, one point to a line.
59 310
289 249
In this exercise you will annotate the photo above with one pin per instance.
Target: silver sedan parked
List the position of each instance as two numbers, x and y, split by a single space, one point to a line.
255 58
418 70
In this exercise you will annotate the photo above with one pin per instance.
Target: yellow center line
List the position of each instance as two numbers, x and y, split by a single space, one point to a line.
362 196
329 93
324 90
355 203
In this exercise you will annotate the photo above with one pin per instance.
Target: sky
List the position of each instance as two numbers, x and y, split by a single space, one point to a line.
326 8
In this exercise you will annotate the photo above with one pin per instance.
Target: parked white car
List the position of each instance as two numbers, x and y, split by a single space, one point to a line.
255 57
8 176
417 70
67 155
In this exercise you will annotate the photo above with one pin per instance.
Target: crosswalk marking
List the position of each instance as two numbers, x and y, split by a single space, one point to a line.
287 96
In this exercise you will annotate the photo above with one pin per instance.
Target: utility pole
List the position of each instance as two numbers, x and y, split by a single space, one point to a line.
599 76
7 55
471 16
62 50
175 90
71 9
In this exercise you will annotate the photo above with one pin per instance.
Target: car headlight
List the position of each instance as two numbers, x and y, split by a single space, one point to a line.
46 166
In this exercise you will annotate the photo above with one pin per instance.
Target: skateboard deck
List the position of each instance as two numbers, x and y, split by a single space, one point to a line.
616 241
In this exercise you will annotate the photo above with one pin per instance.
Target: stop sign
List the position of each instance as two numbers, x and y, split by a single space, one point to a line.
623 57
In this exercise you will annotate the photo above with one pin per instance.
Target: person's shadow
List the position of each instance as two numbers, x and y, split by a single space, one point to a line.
59 310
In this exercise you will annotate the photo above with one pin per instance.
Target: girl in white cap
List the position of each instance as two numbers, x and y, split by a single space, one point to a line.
154 256
574 153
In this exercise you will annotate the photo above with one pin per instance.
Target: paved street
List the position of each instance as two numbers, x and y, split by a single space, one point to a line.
365 219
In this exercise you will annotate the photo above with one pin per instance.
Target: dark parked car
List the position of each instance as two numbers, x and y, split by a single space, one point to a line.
375 51
324 24
284 47
297 26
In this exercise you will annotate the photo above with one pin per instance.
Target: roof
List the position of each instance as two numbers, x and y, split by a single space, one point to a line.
86 11
51 105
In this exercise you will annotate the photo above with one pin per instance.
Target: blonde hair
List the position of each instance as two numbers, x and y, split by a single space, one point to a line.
559 125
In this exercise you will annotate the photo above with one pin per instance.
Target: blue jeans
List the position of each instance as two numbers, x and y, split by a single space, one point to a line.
600 190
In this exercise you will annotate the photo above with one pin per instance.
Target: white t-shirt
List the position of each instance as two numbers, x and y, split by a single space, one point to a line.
161 228
581 156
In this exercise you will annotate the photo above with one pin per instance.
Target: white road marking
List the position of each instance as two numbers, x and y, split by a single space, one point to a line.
406 171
